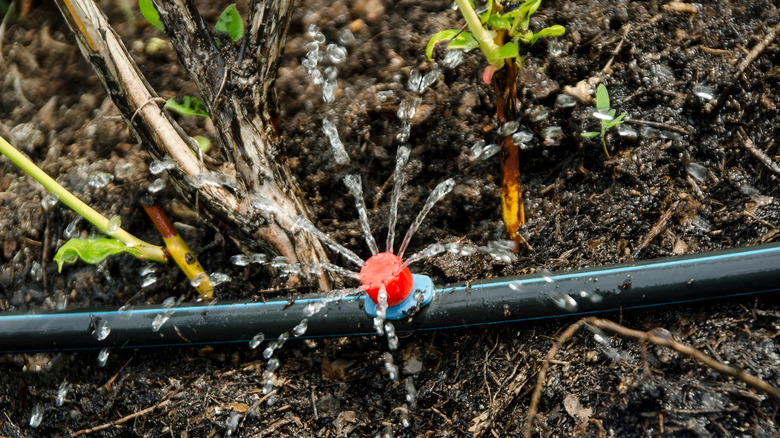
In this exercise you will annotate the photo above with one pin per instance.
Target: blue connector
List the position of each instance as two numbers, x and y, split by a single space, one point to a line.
422 286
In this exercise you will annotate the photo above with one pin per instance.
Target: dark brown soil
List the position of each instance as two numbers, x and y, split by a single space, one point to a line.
584 210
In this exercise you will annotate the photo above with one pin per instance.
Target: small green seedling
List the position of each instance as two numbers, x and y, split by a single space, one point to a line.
189 106
501 32
229 27
606 115
117 240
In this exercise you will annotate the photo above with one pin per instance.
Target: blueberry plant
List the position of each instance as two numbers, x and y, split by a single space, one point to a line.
502 32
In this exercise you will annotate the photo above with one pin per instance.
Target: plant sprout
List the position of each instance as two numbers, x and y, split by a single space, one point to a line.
606 115
118 240
503 34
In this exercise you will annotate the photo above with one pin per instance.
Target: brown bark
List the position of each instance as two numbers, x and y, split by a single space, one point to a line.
237 85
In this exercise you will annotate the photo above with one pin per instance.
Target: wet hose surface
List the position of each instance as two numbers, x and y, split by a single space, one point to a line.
665 281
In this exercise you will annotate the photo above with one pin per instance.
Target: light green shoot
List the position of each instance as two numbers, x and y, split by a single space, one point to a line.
190 106
90 250
606 115
483 30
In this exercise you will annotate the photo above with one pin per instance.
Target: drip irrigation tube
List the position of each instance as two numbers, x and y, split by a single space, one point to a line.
642 284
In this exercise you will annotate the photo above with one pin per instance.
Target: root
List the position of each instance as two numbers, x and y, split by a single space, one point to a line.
641 336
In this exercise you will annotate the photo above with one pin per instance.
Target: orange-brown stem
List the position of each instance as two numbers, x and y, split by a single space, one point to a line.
180 252
512 208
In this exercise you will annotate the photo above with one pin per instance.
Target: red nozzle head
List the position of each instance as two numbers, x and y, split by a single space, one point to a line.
385 269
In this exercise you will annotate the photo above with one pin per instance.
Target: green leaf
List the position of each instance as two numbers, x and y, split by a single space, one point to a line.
203 142
499 22
230 23
91 251
190 106
589 134
508 50
608 124
602 98
547 32
464 41
439 36
150 13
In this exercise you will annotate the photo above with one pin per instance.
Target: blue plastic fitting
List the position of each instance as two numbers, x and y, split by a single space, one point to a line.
422 285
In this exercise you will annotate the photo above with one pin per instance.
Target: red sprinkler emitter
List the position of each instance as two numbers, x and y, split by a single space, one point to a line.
387 270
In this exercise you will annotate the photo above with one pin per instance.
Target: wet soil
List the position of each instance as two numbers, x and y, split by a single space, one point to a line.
695 178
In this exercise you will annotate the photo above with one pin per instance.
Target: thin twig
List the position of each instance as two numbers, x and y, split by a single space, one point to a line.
747 143
655 230
758 48
657 125
663 341
120 421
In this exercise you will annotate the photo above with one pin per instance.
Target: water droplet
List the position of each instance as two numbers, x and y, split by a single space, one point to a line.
218 278
125 170
346 37
340 154
160 319
301 328
72 230
37 416
626 131
240 260
428 80
453 58
148 281
661 333
552 132
555 47
99 179
102 357
36 271
198 279
508 128
565 101
481 151
392 369
602 115
703 91
101 330
49 201
538 114
414 80
62 392
232 423
649 133
271 367
113 225
313 308
411 393
157 185
329 90
268 352
522 137
404 133
516 285
697 171
392 339
670 135
336 53
256 340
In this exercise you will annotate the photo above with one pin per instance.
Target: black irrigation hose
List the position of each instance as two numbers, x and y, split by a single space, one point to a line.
650 283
